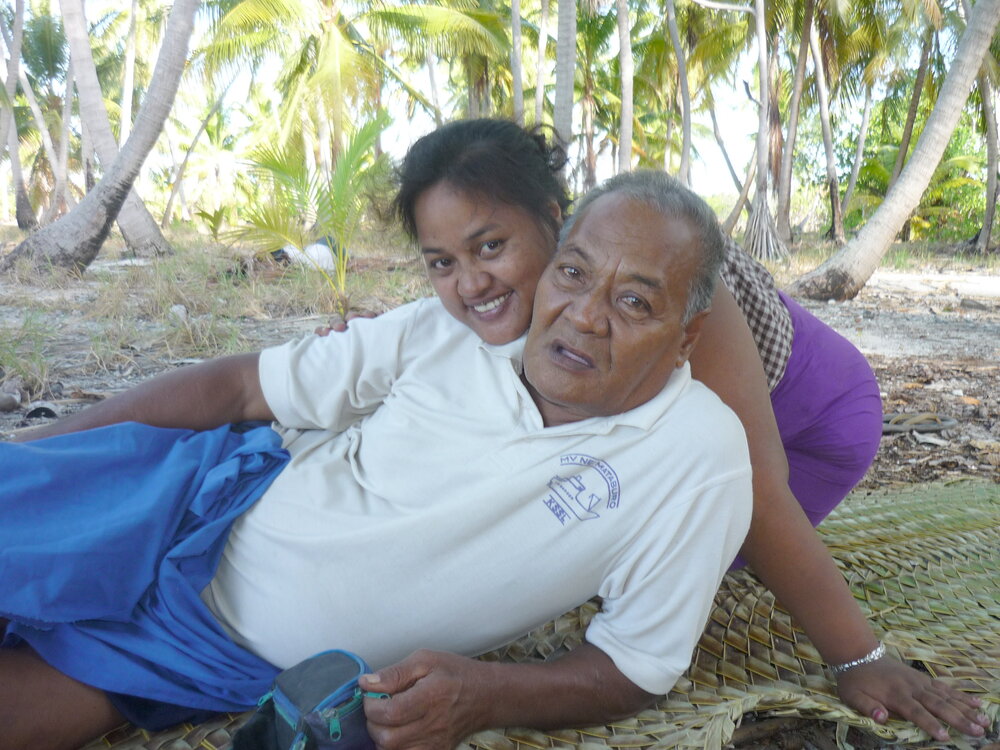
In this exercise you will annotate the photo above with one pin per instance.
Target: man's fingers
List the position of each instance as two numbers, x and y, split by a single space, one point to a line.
395 711
397 677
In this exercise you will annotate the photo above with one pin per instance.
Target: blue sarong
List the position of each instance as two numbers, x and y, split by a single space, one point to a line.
107 538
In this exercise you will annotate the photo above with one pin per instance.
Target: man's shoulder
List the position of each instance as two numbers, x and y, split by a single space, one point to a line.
707 423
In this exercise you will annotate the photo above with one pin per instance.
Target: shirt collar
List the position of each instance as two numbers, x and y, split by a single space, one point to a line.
642 417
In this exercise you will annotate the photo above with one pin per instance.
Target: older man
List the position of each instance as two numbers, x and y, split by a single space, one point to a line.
447 494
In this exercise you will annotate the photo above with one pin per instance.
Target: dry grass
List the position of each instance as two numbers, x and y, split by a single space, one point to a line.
203 301
210 299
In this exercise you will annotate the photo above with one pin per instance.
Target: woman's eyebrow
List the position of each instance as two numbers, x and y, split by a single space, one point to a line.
473 235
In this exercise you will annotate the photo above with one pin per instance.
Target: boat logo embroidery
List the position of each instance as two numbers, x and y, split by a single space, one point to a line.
581 494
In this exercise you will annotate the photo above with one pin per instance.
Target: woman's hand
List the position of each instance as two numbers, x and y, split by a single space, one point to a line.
890 686
435 701
338 324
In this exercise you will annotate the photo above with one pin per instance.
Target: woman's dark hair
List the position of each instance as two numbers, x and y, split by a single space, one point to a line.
494 158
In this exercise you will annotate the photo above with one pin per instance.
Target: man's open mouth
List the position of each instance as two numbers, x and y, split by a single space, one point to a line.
572 358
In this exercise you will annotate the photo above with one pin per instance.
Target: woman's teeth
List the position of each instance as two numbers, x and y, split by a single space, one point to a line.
493 304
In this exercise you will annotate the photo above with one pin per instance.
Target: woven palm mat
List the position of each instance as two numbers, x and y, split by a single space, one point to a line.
924 564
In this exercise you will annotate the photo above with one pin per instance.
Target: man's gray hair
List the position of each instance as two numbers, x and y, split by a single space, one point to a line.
674 201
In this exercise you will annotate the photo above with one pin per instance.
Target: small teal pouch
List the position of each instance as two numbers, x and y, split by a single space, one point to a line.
315 705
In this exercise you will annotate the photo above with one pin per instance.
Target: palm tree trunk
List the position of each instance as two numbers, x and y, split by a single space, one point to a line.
761 239
684 172
668 143
843 275
36 111
87 158
435 98
722 145
588 106
74 241
62 199
13 63
565 70
836 232
337 95
515 61
139 229
324 141
911 114
24 212
982 244
859 152
627 66
543 39
178 178
784 202
734 216
48 147
128 78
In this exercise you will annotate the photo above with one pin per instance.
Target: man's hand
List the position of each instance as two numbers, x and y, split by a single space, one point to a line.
889 686
437 699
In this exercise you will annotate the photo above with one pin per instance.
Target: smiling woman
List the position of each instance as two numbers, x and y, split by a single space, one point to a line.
484 201
483 258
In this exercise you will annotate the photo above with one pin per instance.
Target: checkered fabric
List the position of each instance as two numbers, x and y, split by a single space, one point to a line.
771 325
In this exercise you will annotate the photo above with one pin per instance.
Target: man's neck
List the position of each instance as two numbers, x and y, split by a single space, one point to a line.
553 414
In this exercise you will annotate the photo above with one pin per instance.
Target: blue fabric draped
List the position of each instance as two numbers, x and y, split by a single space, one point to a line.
108 536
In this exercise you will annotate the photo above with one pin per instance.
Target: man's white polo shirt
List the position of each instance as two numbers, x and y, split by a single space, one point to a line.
425 506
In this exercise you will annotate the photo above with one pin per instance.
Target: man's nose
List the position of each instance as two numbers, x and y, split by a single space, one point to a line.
473 282
589 314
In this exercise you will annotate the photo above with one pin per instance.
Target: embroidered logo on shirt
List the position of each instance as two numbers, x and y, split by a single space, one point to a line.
582 494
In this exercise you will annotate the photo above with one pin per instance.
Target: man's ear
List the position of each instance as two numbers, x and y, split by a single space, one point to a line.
691 333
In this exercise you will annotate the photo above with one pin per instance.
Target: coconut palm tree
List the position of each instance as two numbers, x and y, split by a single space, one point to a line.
684 172
328 53
73 241
984 93
595 32
784 186
565 69
141 233
843 275
44 66
836 232
23 211
626 67
516 67
541 63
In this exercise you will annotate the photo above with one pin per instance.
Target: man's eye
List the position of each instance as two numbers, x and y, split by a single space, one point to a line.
634 303
570 272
